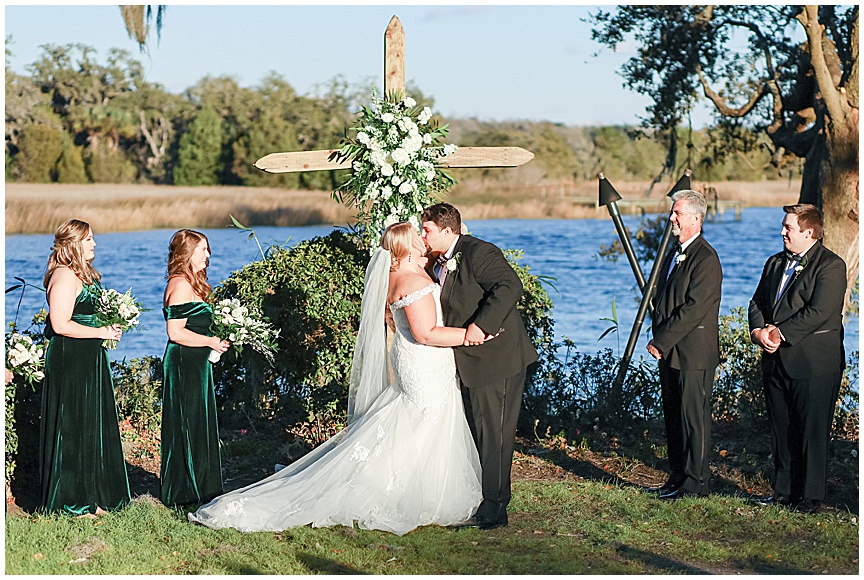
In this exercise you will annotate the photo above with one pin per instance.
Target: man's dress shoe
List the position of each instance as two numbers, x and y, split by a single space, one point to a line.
678 493
666 488
471 522
808 506
491 524
776 499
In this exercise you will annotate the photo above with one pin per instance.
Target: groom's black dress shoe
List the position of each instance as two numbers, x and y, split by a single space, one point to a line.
471 522
667 487
808 506
776 499
491 524
679 493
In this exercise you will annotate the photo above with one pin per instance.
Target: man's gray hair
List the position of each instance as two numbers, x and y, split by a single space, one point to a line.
695 202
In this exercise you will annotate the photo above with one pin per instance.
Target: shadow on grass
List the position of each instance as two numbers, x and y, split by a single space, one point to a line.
141 481
318 565
657 563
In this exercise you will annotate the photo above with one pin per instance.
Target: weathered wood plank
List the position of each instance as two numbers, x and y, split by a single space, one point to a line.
394 57
325 159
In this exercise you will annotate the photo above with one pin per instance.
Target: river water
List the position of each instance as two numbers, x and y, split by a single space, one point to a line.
562 249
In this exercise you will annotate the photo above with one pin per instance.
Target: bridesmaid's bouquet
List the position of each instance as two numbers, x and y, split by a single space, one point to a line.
24 357
243 326
115 308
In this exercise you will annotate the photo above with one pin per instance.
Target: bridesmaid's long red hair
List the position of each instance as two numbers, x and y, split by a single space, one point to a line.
67 251
180 251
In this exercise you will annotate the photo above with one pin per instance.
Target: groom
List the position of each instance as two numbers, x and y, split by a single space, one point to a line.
479 291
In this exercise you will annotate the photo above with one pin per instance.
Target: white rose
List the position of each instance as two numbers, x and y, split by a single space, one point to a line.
413 144
386 170
386 192
363 137
390 220
387 117
38 375
449 148
400 156
395 181
424 116
409 102
427 138
406 187
413 221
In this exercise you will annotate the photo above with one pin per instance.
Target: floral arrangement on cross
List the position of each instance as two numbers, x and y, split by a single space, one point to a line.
395 172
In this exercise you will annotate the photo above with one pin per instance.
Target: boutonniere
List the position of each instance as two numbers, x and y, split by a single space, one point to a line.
453 262
680 258
801 265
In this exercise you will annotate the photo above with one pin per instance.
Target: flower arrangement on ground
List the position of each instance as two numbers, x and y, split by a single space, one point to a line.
112 307
24 357
394 153
243 326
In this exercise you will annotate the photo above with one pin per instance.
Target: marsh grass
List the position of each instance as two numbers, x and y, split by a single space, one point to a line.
587 527
40 208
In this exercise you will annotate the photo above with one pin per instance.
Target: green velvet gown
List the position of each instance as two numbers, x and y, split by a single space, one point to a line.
81 460
191 468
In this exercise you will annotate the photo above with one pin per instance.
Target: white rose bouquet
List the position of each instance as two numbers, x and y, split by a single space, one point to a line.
243 326
115 308
395 171
24 357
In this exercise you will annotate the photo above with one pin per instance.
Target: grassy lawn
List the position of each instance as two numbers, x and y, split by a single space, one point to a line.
583 527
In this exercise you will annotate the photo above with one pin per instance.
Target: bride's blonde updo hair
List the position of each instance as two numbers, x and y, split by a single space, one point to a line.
397 240
180 250
68 251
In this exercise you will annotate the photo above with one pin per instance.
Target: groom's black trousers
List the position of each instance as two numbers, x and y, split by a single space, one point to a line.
493 412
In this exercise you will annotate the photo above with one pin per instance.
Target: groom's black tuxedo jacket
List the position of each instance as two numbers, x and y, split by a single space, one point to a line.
687 307
484 289
809 314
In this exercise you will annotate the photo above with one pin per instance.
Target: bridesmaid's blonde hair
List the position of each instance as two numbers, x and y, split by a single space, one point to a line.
180 250
397 240
68 251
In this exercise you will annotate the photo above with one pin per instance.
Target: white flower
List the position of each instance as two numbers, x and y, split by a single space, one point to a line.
449 148
413 144
409 102
390 220
386 192
387 117
680 258
414 222
427 139
400 156
406 187
451 264
424 116
357 166
363 137
395 181
387 170
394 211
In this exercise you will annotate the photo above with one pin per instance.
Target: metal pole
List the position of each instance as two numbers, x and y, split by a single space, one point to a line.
683 183
609 197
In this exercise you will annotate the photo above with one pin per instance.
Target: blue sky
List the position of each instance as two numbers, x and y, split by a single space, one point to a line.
492 62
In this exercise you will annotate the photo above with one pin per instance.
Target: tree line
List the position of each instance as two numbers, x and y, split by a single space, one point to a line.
76 118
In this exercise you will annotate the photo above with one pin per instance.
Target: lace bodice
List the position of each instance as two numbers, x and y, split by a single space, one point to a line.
424 373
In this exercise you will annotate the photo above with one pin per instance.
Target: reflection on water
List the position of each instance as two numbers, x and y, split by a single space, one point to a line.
561 249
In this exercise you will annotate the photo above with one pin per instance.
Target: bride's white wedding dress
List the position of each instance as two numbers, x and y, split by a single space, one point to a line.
408 461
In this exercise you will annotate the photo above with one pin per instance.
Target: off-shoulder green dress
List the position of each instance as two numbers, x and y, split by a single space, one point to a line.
81 456
191 468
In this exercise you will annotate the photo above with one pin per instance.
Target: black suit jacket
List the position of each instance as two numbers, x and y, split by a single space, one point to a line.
484 289
809 314
687 309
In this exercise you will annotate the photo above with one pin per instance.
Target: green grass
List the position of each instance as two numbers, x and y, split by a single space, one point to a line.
556 528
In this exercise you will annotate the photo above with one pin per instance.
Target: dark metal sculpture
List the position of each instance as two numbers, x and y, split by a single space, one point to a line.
609 197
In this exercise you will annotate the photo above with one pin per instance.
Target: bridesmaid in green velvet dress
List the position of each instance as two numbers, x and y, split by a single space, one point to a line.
81 457
191 469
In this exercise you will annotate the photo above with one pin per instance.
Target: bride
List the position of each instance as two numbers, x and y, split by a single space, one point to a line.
406 457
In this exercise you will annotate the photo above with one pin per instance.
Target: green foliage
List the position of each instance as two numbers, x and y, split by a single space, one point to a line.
107 164
138 391
270 134
198 159
40 146
311 293
70 167
738 392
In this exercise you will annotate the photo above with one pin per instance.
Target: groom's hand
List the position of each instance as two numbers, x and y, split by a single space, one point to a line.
474 335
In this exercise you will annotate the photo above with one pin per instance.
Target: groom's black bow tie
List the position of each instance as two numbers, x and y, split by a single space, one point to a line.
441 260
792 256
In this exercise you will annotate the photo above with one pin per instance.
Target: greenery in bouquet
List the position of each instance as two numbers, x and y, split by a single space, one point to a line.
394 151
243 325
112 307
25 357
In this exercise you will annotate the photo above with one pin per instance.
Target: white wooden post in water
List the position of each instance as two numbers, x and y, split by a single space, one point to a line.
394 80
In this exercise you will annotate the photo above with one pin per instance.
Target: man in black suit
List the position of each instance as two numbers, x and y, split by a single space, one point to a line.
796 316
479 291
686 344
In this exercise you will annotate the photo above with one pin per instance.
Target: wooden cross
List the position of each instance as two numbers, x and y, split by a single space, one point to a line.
394 80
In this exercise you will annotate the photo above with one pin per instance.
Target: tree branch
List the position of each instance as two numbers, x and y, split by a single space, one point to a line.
720 102
814 30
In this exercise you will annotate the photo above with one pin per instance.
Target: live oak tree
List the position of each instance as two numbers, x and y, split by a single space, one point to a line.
801 93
